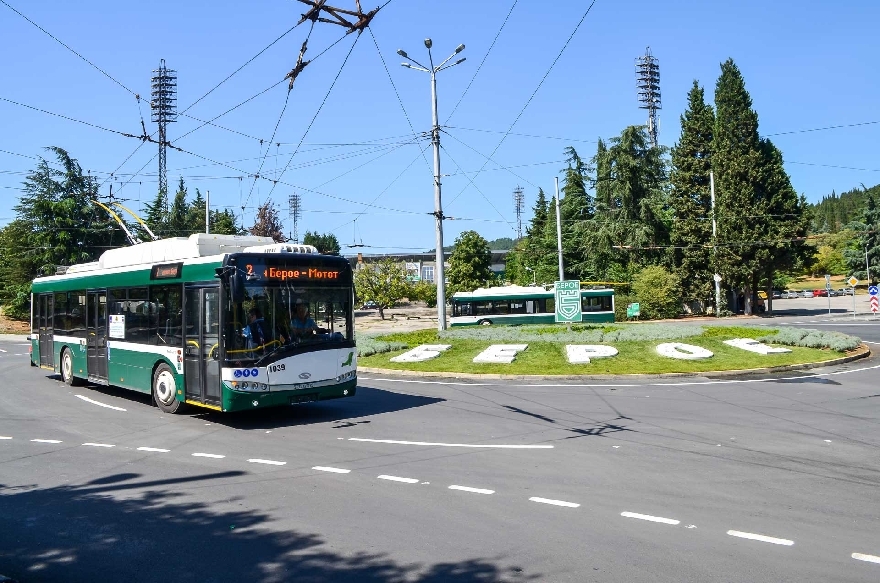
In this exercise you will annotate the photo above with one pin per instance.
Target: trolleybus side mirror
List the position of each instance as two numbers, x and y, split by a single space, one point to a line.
236 284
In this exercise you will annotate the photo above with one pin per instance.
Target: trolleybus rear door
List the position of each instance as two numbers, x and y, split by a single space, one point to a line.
202 354
47 344
96 343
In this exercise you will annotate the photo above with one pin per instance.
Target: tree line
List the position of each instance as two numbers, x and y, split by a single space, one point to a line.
58 223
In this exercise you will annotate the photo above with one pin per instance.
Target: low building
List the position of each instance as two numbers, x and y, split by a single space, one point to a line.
421 266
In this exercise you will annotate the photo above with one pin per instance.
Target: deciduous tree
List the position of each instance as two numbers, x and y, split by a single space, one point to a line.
383 282
470 263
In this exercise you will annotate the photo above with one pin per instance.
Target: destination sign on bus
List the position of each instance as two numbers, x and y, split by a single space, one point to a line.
288 273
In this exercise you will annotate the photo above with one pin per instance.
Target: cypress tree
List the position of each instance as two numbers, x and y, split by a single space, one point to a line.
691 199
740 205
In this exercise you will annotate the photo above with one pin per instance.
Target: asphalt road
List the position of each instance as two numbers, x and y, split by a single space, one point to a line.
683 479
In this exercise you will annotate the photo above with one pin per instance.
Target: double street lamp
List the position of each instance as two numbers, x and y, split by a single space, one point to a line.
435 139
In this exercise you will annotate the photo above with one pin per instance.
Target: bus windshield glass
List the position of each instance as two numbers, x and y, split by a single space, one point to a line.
277 318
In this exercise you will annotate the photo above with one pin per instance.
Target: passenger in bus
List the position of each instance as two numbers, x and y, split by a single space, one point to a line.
255 331
301 324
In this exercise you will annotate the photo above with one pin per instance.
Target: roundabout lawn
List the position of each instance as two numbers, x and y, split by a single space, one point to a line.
548 357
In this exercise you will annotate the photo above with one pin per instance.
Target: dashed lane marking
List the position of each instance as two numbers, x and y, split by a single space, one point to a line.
331 470
554 502
866 558
210 455
267 462
98 445
4 437
154 449
46 441
650 518
473 490
761 538
93 402
399 479
433 444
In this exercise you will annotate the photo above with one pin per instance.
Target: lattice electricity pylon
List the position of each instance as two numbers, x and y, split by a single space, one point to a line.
295 203
163 105
518 200
319 6
648 85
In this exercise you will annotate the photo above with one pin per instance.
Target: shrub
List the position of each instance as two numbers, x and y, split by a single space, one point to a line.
658 292
579 334
813 339
621 301
369 345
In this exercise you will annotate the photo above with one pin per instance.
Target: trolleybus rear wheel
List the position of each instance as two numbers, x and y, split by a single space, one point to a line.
165 389
67 368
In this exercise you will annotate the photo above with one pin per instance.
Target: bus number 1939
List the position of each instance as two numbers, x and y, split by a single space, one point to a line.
276 368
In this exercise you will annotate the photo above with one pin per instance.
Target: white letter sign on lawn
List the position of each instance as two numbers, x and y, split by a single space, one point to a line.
500 353
755 346
421 353
683 351
582 353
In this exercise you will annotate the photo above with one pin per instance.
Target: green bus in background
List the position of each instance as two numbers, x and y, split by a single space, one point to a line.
524 305
205 320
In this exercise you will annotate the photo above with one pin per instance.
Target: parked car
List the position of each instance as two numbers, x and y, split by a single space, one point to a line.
790 294
370 305
820 293
762 294
777 294
807 293
833 293
846 291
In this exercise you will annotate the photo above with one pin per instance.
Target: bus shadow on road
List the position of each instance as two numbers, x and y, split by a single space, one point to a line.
347 411
134 528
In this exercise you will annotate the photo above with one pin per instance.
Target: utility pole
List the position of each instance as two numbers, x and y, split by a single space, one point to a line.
559 232
518 200
439 275
163 105
717 277
867 268
208 212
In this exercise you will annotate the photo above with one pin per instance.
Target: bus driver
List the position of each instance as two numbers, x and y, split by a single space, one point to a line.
300 323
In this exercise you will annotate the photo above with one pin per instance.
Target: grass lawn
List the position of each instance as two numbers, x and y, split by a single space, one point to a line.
548 358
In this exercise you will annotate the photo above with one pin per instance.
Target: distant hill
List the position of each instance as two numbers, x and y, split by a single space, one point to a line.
835 211
502 244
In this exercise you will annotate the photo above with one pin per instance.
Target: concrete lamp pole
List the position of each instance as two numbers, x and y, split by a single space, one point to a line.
439 274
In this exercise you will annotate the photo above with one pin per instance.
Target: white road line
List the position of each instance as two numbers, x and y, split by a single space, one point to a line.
87 400
398 479
267 462
1 350
761 537
331 470
554 502
432 444
4 437
426 382
99 445
650 518
210 455
46 441
869 342
156 449
866 558
469 489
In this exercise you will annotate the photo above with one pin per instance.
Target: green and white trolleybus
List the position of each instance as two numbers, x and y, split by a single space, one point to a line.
524 305
175 318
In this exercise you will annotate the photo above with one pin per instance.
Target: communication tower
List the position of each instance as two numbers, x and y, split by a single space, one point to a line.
295 203
518 200
163 107
648 86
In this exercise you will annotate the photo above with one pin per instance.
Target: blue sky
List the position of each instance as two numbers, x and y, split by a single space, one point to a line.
807 64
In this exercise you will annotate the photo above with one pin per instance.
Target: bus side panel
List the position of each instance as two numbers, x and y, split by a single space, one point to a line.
603 317
132 369
35 350
78 354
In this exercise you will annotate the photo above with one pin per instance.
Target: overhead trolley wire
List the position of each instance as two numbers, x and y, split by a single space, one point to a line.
480 66
478 190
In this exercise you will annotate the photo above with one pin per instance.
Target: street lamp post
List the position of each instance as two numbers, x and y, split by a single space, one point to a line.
533 274
435 139
867 267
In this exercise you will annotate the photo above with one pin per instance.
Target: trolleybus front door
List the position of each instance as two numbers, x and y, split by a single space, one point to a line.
96 343
202 354
45 305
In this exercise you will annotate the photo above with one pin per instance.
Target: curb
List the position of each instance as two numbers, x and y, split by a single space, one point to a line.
863 351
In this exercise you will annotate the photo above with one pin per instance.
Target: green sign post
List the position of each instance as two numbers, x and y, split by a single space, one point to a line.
568 301
633 310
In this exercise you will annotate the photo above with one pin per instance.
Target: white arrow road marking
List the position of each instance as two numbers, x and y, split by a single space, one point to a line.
398 479
866 558
469 489
761 537
46 441
87 400
98 445
331 470
650 518
210 455
268 462
156 449
433 444
554 502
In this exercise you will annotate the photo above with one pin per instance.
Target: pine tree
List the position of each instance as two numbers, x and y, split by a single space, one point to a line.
156 213
225 223
868 229
195 214
737 159
176 222
690 199
575 208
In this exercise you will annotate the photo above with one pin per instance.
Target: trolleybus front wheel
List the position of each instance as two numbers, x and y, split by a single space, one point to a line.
485 322
165 389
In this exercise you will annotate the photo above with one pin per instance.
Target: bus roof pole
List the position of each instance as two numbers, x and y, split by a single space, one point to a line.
559 232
